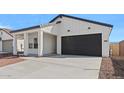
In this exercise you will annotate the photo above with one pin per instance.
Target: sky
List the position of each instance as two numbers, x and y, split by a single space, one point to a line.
18 21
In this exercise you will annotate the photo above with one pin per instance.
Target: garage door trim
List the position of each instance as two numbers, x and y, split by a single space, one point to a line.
91 44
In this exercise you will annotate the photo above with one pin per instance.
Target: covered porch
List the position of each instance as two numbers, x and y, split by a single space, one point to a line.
36 42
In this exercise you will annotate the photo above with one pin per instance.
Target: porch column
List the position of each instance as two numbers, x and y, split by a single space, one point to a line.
40 43
59 45
25 44
14 45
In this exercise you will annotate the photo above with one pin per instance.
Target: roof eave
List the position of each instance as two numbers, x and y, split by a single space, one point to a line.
91 21
25 29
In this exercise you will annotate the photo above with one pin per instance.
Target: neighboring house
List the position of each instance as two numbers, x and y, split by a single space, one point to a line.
6 40
65 35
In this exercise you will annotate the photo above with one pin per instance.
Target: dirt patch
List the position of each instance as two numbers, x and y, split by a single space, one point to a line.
112 68
118 64
9 60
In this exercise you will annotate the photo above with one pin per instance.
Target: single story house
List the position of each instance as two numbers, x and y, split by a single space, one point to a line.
66 35
6 40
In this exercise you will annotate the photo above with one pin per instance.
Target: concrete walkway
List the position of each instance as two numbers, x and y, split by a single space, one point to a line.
54 67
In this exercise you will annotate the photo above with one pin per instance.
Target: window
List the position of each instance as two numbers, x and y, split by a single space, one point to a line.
30 45
35 43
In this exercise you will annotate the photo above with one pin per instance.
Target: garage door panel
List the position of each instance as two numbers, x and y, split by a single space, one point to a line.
82 45
7 46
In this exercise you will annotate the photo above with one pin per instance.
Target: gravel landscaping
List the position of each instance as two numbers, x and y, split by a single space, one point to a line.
112 68
9 60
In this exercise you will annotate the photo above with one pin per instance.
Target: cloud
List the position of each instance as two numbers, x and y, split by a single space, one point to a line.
5 26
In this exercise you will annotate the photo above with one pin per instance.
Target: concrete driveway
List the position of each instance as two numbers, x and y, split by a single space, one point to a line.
54 67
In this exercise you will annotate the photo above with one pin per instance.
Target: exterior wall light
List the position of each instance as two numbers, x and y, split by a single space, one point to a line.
89 27
105 40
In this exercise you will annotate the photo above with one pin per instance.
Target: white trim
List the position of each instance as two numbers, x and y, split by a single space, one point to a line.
25 44
40 43
14 45
59 45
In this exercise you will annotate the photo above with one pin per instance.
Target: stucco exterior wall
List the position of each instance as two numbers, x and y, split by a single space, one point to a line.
77 27
4 36
49 44
52 29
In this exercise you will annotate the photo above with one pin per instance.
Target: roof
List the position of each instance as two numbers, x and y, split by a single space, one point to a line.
61 15
33 27
28 28
7 31
81 19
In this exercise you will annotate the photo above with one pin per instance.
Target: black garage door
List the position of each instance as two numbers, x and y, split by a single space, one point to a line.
90 45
